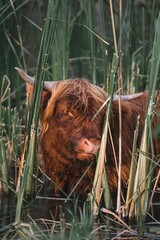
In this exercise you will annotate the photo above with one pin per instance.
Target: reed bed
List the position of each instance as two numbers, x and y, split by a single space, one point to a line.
98 40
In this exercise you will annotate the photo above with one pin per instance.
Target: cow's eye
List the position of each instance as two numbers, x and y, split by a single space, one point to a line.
66 114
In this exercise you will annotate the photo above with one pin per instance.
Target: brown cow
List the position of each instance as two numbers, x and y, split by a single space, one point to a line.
70 138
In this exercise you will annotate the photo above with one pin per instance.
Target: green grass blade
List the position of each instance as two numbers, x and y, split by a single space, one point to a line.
26 181
96 191
4 167
143 175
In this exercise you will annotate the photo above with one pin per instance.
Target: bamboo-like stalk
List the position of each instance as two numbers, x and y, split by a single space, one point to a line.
63 31
127 35
19 34
155 64
143 176
16 132
97 184
131 180
152 22
113 28
137 47
4 167
9 114
106 191
120 156
120 111
47 36
6 7
103 46
90 22
139 182
9 18
143 40
120 47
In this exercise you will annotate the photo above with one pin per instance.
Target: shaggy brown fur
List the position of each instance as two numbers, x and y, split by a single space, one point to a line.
66 119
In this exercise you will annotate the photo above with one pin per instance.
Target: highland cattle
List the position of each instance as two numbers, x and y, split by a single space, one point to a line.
70 138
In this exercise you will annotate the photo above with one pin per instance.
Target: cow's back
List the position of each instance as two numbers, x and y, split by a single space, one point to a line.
131 111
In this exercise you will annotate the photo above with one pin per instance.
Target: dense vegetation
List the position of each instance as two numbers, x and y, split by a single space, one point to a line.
114 44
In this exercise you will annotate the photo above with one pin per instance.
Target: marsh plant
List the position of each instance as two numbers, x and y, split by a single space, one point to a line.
115 44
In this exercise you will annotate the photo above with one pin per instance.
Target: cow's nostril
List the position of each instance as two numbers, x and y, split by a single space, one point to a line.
86 142
88 146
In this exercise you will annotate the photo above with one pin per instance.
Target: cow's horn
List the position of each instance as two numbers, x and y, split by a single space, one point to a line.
48 86
127 97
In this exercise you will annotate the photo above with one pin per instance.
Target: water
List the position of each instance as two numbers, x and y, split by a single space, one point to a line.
54 215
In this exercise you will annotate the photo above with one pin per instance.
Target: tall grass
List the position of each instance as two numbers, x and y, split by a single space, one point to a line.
73 42
99 173
146 162
47 36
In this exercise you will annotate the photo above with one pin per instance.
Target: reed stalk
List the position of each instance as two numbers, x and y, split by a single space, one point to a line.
155 65
89 19
99 173
113 28
120 86
88 9
59 56
143 175
127 37
46 44
131 181
104 47
47 36
4 170
4 167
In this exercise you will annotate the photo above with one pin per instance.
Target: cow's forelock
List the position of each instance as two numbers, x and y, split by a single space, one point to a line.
82 93
68 117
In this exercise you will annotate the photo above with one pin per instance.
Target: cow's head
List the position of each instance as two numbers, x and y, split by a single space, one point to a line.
68 131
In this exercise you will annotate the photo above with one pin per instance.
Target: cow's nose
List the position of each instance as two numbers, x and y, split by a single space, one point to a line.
89 145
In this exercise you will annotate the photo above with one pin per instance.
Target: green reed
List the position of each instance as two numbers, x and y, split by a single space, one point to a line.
146 162
47 36
73 44
99 173
10 123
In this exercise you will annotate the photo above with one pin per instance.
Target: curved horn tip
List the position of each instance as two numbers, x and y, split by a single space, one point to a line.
21 72
25 76
48 86
18 69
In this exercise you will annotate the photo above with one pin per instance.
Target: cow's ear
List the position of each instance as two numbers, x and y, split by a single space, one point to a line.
44 100
29 90
125 110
